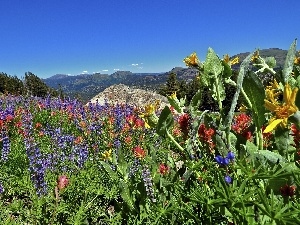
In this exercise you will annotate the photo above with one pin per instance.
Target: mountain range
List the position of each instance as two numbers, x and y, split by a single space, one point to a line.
86 86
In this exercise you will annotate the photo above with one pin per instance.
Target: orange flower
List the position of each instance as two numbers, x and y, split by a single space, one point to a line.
139 152
78 140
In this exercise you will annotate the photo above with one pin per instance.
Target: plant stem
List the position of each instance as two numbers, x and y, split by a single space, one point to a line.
174 141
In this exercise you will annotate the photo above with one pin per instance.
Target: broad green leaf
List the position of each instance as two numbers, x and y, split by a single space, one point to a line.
282 140
217 88
270 61
297 71
227 72
196 101
108 169
212 65
289 61
251 148
256 94
125 194
165 121
272 157
175 103
240 78
297 101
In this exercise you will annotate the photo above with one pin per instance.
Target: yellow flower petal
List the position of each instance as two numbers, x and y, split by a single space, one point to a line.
235 61
273 125
226 58
287 93
270 106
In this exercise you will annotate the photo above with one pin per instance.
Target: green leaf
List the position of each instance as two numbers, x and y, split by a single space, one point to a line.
297 71
196 101
289 61
217 87
297 101
282 140
227 72
272 157
125 194
165 121
270 61
108 169
212 65
256 94
240 78
176 104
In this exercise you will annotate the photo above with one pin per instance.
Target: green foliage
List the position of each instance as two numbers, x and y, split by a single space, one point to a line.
256 94
101 165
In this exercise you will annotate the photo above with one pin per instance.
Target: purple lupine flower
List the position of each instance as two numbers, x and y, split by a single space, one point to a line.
146 175
134 168
118 116
221 160
230 156
117 143
5 147
81 153
228 179
1 188
37 164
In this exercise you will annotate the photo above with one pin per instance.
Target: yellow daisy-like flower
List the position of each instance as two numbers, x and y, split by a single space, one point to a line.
226 59
106 156
281 111
255 56
149 116
192 60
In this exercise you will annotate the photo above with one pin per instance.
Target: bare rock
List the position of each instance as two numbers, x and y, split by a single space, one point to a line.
122 94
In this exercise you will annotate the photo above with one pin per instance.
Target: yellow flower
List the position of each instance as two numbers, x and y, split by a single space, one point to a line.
297 60
273 91
235 60
243 108
281 111
173 95
149 109
231 62
107 155
255 56
149 116
192 60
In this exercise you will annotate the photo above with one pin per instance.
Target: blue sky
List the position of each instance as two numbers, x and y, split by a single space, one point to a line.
71 37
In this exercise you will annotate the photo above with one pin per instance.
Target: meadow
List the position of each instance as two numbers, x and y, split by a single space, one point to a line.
63 162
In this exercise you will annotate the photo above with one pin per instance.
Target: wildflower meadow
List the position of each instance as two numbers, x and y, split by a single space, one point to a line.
63 162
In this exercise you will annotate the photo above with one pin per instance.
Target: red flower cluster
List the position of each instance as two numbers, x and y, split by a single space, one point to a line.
205 135
296 135
139 152
241 125
163 169
287 190
184 124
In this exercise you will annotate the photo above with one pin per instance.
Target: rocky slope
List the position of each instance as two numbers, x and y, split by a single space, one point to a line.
120 93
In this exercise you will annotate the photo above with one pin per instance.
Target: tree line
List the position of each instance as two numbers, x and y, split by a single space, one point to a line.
31 85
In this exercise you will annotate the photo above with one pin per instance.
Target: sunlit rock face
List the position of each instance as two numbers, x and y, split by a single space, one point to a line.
121 94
